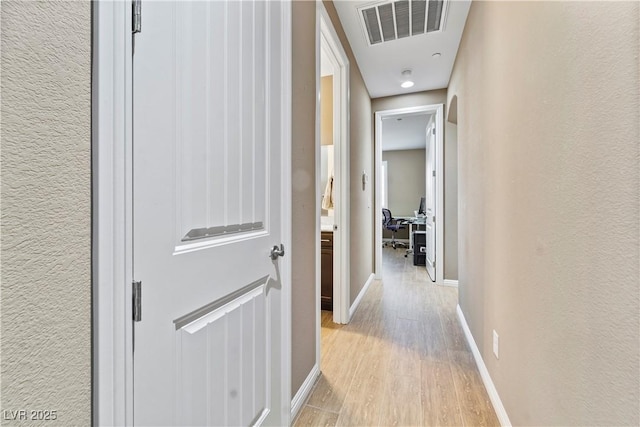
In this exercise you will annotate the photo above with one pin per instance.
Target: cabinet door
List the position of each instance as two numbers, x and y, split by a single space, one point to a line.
326 281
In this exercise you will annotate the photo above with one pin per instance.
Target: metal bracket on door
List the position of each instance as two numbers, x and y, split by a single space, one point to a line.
136 16
137 301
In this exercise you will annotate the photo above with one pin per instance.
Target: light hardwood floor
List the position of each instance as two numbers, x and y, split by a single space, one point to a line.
403 360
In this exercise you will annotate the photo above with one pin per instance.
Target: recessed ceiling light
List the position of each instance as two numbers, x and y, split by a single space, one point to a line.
437 55
406 77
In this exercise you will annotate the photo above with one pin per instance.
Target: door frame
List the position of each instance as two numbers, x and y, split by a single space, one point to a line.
326 32
112 214
431 127
438 110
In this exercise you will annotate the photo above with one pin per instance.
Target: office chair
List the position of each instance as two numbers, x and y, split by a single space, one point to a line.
393 225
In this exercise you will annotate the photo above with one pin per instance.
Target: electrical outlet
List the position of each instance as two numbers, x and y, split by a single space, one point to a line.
496 344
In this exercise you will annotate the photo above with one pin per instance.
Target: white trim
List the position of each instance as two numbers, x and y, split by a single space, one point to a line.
377 214
501 412
304 391
384 180
438 109
452 283
318 157
327 35
285 213
431 127
439 223
112 214
363 291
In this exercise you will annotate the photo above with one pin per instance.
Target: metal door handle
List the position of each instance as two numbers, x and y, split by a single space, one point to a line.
276 252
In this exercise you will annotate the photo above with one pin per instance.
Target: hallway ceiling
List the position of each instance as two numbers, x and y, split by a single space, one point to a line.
404 132
381 64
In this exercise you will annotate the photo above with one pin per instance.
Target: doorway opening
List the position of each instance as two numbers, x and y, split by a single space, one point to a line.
332 173
424 221
402 179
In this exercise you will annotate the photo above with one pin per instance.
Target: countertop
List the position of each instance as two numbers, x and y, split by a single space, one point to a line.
326 223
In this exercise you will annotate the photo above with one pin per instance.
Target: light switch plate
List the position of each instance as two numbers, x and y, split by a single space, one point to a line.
496 344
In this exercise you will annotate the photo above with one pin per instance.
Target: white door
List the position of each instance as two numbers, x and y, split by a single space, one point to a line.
208 136
430 202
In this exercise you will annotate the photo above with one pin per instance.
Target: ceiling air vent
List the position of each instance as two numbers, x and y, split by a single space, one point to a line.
388 21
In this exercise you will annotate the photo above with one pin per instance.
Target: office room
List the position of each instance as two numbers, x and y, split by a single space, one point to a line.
404 182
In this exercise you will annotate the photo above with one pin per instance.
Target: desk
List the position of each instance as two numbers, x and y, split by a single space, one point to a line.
412 222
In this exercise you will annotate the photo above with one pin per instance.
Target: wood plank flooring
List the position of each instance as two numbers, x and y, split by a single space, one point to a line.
402 361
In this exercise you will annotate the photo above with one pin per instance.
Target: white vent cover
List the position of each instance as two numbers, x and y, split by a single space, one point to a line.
391 20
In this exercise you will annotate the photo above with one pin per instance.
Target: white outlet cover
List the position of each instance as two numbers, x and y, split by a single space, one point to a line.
496 344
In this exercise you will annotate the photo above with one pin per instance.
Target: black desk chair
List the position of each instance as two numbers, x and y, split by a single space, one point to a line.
393 225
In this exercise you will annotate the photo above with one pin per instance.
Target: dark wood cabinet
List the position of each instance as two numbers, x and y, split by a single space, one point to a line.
326 274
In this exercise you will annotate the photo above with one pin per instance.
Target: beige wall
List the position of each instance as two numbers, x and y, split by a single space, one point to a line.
304 203
406 180
450 169
304 196
548 127
451 201
326 110
46 209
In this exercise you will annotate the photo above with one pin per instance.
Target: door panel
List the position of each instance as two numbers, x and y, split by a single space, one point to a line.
220 118
431 198
207 198
211 360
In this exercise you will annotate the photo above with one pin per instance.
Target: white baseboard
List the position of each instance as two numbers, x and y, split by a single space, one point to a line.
484 373
305 389
452 283
363 291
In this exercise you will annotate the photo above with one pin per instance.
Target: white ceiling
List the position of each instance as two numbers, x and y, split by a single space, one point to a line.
381 65
404 132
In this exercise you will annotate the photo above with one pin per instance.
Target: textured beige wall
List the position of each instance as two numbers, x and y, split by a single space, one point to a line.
406 180
46 209
548 126
450 169
304 201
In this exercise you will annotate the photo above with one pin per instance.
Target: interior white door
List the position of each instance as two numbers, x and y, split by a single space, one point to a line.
208 131
431 200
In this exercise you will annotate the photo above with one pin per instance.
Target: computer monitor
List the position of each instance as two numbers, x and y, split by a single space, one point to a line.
421 209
